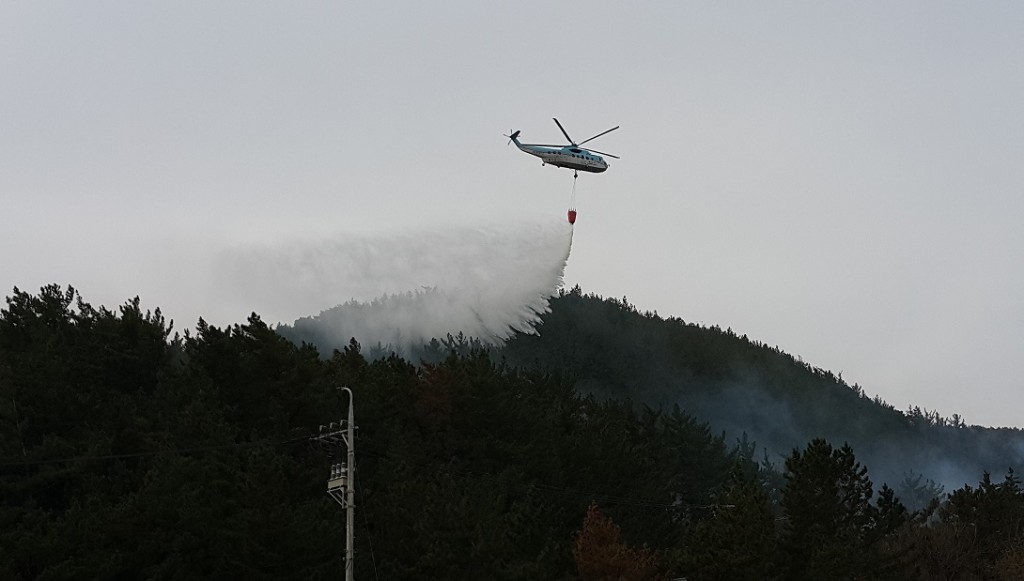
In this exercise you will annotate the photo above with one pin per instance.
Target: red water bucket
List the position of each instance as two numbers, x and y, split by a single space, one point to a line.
572 216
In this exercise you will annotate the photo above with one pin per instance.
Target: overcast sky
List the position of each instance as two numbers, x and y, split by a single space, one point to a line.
842 180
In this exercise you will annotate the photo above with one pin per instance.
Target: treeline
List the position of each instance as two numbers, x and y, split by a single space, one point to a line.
131 451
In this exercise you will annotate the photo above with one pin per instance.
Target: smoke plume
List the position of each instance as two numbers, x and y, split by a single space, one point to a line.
405 289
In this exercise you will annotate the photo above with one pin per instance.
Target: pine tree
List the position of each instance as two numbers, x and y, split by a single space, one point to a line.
827 514
739 541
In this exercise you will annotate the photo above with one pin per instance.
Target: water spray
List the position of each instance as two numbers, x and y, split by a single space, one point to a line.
407 289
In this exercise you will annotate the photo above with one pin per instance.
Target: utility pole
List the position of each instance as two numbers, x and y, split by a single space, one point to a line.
341 484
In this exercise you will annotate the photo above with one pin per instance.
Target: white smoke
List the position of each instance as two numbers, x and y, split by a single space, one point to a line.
405 289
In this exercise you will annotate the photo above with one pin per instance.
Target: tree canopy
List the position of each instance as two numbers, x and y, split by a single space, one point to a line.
130 451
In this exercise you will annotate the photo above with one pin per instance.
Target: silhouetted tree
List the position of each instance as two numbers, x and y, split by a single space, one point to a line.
739 541
828 514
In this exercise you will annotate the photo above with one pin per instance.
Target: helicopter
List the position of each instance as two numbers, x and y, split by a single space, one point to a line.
570 156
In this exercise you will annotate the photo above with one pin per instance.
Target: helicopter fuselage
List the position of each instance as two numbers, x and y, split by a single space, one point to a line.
574 158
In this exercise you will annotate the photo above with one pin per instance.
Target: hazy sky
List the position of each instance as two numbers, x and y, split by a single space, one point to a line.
842 180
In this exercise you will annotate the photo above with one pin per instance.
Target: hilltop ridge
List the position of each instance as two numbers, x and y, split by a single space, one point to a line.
749 390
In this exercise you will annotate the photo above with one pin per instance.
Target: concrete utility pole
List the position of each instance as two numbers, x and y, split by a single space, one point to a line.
341 484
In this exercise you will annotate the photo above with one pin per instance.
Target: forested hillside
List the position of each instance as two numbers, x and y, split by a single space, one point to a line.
128 450
609 349
739 385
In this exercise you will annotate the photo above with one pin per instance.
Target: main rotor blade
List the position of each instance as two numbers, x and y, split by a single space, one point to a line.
598 135
602 153
563 132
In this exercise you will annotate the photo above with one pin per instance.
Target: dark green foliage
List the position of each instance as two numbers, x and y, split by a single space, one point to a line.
828 514
609 349
478 470
128 453
739 385
977 533
990 521
739 539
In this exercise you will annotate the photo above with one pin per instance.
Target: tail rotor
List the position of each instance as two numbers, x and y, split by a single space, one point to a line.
511 137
